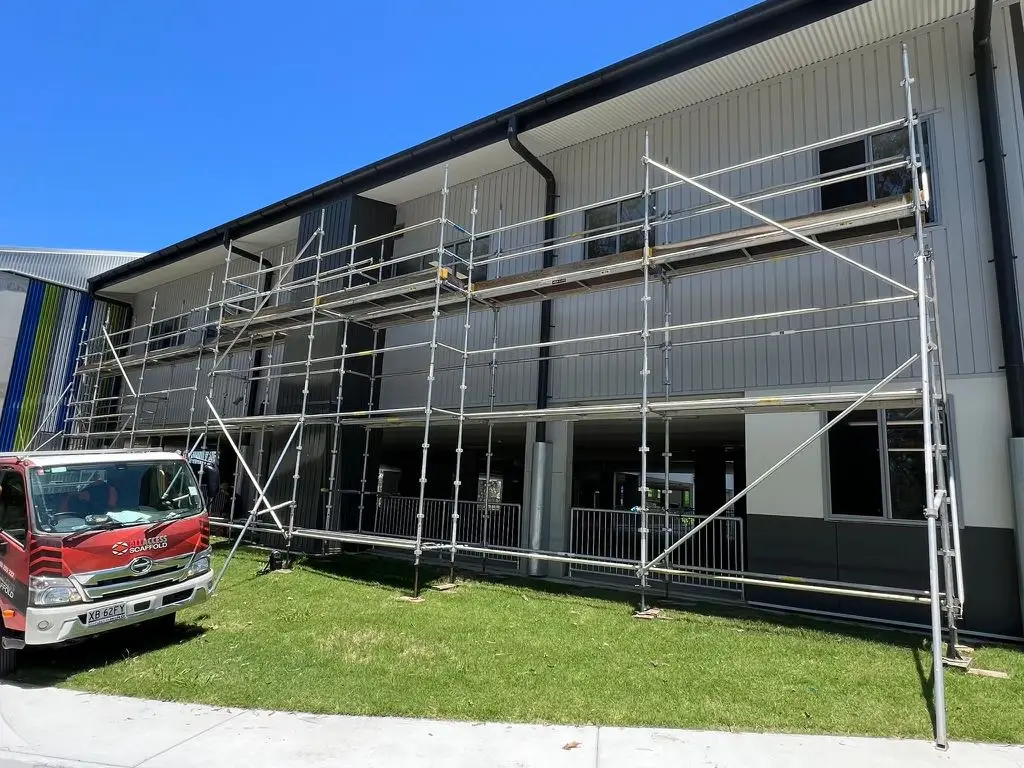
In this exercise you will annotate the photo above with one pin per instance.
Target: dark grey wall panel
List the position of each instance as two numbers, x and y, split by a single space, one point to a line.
371 219
886 555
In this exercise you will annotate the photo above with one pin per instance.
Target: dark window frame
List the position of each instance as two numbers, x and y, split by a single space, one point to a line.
883 423
481 250
870 182
599 247
167 333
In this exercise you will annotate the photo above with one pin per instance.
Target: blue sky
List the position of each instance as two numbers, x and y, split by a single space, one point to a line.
134 125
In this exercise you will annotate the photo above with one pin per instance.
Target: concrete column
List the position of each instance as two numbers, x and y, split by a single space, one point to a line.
560 435
524 518
709 480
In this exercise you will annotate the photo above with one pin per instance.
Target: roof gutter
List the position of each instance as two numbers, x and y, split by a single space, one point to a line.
550 206
1003 256
734 33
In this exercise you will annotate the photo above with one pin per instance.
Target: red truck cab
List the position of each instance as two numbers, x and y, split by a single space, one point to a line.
92 540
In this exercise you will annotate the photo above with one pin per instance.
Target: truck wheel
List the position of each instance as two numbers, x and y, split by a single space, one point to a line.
8 662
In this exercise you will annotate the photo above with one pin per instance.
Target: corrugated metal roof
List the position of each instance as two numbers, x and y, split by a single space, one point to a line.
833 36
70 268
858 27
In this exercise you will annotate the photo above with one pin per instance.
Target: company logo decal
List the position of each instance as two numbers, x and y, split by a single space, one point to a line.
6 588
140 566
135 546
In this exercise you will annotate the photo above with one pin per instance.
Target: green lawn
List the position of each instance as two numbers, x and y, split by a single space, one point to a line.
333 637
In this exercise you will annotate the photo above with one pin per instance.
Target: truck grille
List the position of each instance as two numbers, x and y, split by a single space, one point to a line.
123 582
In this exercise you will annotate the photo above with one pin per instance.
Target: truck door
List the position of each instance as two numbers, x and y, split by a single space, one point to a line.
13 545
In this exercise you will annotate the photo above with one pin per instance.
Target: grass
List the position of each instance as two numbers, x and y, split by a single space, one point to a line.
332 637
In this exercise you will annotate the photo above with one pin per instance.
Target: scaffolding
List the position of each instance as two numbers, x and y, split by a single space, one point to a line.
371 288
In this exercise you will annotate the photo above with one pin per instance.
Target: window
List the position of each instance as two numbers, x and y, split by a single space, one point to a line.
876 465
610 217
13 508
167 333
481 251
877 149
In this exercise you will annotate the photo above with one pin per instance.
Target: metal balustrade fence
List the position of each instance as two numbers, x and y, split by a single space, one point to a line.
614 534
480 523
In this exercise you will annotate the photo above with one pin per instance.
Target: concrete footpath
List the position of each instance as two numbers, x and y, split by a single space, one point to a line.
56 728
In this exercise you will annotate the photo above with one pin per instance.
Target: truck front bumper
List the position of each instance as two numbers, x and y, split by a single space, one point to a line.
57 624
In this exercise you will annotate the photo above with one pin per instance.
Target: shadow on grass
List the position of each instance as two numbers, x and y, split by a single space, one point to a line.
52 665
927 678
397 573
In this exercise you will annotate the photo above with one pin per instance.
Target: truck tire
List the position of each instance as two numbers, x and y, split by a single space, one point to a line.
8 662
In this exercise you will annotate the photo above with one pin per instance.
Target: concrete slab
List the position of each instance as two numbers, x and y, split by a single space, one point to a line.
110 730
50 728
656 748
271 740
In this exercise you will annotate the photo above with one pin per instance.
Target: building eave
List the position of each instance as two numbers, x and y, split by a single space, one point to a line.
761 22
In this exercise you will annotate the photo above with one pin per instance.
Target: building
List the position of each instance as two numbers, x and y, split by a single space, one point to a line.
44 306
565 168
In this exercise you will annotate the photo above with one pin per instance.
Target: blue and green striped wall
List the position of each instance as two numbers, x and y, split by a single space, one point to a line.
44 360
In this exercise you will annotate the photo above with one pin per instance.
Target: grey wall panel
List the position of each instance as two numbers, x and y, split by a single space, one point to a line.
1008 55
404 383
842 94
188 296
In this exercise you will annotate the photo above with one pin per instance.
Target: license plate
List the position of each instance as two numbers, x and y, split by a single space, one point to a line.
104 615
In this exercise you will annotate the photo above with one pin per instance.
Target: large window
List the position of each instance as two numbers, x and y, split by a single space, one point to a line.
13 507
878 149
481 251
876 465
167 333
608 218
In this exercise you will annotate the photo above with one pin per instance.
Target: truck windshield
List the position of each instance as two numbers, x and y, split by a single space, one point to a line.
80 497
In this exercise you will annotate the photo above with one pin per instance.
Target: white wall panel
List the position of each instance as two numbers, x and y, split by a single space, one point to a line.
842 94
797 489
982 422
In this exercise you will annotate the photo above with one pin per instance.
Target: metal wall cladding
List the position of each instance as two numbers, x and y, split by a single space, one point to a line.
188 297
62 267
36 404
1011 115
845 93
509 196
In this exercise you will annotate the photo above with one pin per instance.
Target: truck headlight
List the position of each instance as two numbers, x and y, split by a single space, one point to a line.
200 565
49 590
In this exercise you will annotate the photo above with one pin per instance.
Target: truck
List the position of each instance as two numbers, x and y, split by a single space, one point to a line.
91 541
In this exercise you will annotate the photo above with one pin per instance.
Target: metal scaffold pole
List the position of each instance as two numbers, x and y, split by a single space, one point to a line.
666 381
199 363
238 469
439 274
96 378
927 402
645 366
492 394
213 364
75 399
462 388
339 399
301 426
142 373
367 432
